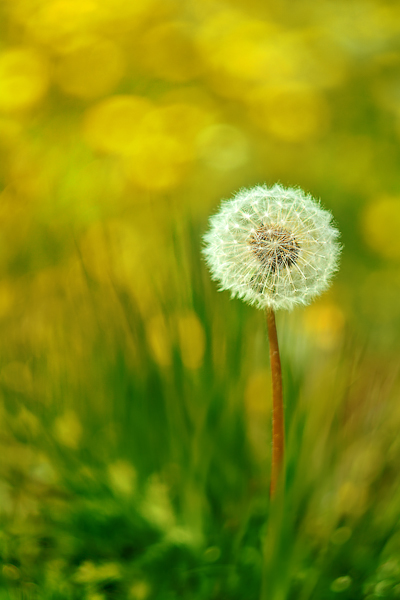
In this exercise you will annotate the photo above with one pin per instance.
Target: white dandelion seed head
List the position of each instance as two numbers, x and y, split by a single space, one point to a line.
272 247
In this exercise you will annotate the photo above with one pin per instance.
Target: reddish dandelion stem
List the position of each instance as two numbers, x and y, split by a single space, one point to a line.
278 436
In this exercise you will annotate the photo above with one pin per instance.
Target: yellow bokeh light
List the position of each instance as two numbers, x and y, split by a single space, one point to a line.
157 163
257 395
320 57
381 226
192 340
169 53
325 322
68 429
111 125
61 24
238 47
163 146
159 340
291 113
123 16
181 119
223 147
240 52
23 78
90 71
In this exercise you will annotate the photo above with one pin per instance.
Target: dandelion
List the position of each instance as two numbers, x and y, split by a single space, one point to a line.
274 248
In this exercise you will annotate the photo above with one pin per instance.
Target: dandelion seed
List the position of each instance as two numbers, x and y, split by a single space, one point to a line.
274 248
282 248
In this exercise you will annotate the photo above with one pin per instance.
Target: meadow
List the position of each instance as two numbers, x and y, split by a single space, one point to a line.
135 398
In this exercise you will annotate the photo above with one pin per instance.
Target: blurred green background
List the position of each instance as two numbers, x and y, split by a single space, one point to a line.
134 398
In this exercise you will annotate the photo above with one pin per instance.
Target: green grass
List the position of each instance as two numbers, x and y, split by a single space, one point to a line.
122 478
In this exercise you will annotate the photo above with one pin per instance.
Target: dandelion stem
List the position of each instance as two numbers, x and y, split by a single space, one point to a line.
278 436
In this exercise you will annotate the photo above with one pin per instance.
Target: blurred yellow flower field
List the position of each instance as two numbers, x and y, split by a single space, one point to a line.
135 398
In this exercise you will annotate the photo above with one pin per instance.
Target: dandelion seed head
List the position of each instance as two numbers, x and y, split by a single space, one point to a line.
272 247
